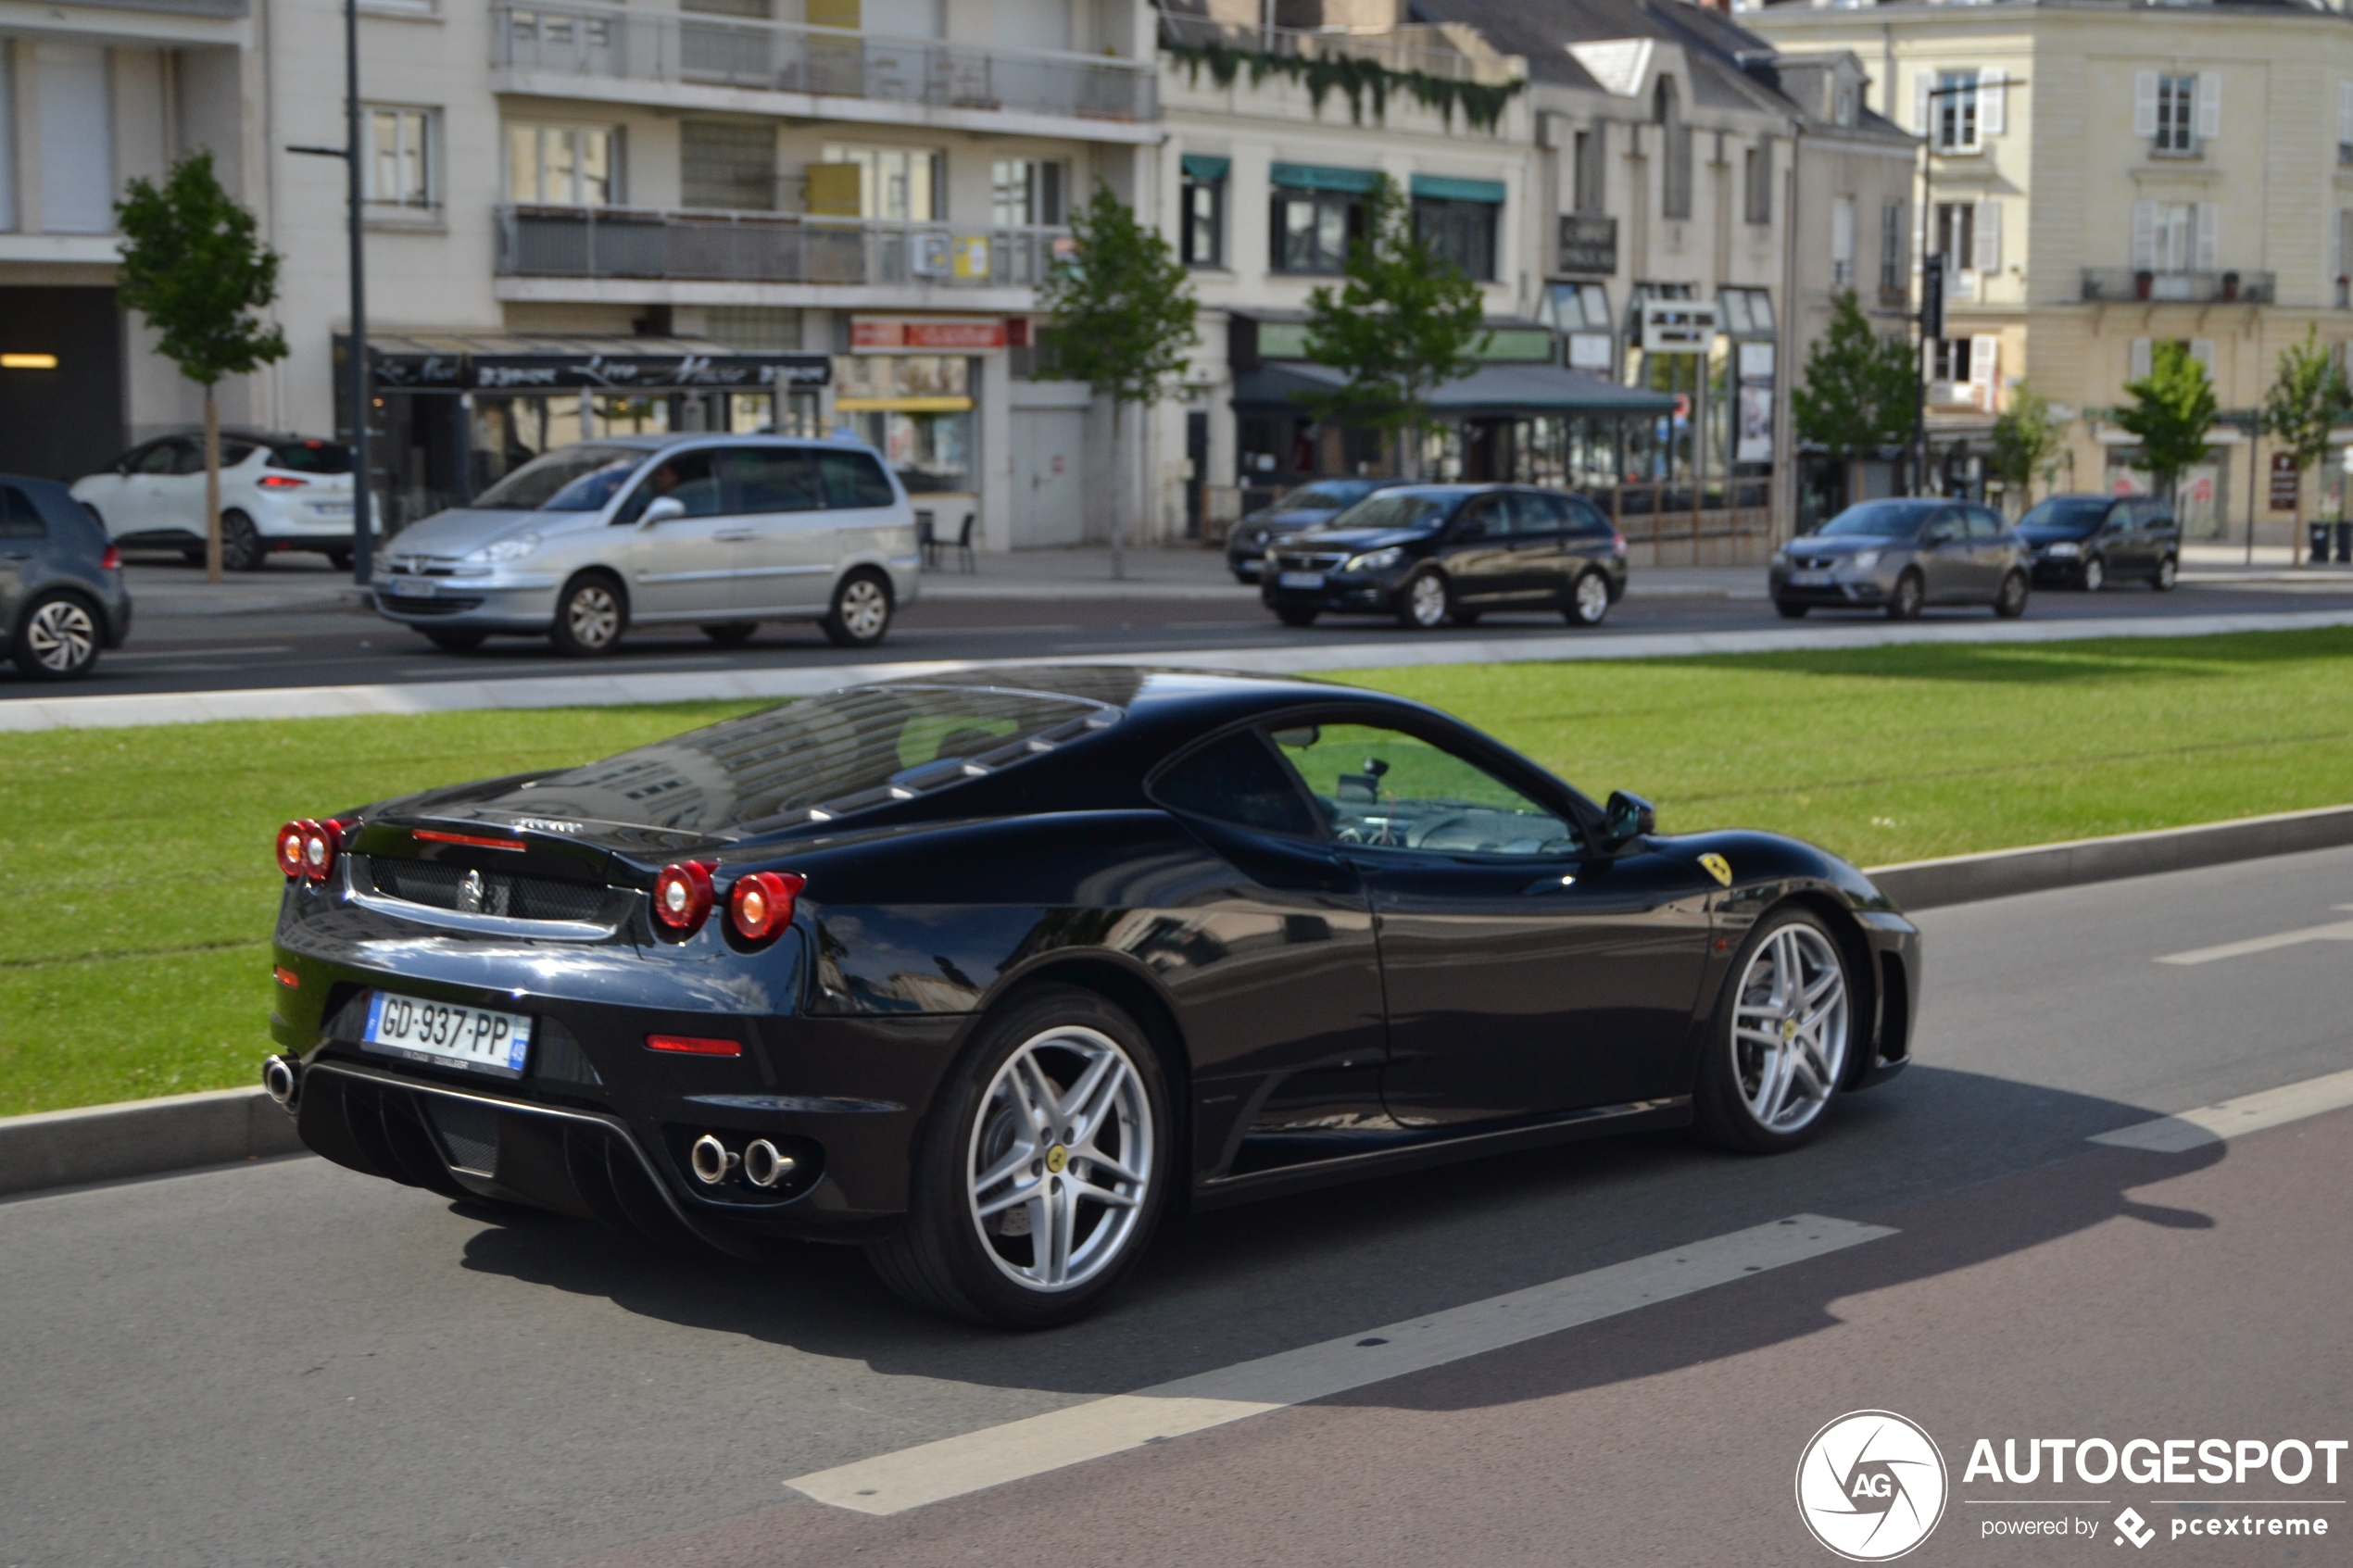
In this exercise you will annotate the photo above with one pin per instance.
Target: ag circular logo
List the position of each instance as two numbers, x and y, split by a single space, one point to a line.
1870 1485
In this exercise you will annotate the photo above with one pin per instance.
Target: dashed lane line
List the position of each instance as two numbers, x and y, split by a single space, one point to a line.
2234 1118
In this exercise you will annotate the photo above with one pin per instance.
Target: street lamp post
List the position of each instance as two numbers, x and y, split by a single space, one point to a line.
356 365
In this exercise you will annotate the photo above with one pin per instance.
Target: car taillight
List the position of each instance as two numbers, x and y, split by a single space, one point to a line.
111 561
321 842
280 482
760 904
682 896
290 847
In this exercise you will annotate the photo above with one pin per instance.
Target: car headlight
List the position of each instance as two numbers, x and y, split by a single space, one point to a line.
1375 560
513 548
2065 548
1863 560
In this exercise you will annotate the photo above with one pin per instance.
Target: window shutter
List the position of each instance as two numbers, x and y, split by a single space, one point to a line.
1920 100
2209 105
2345 115
2202 350
1987 241
2344 241
2144 236
2208 238
2144 104
2142 362
1992 88
1984 363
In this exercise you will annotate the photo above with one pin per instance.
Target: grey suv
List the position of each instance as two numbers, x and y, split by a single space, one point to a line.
1897 556
61 593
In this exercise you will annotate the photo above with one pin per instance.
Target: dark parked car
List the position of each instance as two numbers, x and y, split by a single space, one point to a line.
1435 554
2088 541
989 976
1305 506
61 590
1900 555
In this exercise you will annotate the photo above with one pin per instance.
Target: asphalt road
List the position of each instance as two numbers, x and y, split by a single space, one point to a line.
288 1363
307 641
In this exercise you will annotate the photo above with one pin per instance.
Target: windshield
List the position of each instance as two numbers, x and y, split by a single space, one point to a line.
1879 519
2076 515
1325 496
572 479
1398 508
819 758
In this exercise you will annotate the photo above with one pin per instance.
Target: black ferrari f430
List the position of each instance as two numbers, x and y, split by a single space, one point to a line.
990 974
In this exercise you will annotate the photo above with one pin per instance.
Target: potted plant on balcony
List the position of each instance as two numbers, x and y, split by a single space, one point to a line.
2142 282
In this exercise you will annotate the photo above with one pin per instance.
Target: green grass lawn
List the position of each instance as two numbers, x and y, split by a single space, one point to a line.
137 891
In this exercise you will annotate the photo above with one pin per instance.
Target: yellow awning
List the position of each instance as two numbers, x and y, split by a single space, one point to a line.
902 405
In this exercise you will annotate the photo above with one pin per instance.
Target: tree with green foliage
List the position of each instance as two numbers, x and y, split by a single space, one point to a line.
1121 309
194 266
2303 406
2026 441
1861 392
1404 322
2172 411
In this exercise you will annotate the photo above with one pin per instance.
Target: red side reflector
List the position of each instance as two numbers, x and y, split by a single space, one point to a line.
434 835
692 1045
111 561
287 977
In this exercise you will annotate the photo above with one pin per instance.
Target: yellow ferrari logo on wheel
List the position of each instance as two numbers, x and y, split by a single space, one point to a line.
1717 867
1056 1158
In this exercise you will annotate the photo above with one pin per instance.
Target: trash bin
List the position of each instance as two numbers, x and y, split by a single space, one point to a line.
2320 544
2344 543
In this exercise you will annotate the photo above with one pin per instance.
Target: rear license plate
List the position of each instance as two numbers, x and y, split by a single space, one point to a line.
1299 580
456 1036
1810 579
331 509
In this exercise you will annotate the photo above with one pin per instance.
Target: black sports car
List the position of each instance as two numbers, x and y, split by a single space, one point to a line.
987 973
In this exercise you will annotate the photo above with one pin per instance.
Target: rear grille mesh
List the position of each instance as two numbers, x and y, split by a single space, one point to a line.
518 897
468 1130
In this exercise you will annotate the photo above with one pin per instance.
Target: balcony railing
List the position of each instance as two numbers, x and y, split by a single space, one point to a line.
1411 46
2125 285
765 247
625 44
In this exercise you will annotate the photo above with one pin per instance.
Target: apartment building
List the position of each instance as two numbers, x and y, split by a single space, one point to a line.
2103 178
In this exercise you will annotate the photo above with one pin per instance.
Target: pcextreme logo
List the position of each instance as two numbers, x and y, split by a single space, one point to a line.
1871 1485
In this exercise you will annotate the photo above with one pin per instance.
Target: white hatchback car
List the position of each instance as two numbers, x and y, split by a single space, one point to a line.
277 493
720 531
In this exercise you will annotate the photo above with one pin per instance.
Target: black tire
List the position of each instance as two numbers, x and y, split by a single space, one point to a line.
592 615
940 1258
457 642
1296 615
1905 603
58 637
2168 573
1589 601
860 613
731 633
194 557
2092 576
1425 602
1463 618
2010 602
1729 1068
1246 579
241 545
1790 610
339 559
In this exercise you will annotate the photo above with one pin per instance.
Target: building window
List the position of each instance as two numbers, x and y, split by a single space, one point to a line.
1026 192
1591 192
401 160
1758 185
1460 232
1580 312
728 166
1949 359
1843 243
1675 152
2174 237
2176 114
1203 227
1954 238
1891 251
902 185
1953 112
1746 313
1313 229
2177 111
563 165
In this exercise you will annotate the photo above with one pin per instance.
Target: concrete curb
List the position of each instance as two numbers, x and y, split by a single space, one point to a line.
55 1148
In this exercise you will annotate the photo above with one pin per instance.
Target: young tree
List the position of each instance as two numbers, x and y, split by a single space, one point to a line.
193 265
1859 395
1404 322
1121 319
2299 411
2171 410
2025 439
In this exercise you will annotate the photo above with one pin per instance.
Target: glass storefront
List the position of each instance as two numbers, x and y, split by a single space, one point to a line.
916 409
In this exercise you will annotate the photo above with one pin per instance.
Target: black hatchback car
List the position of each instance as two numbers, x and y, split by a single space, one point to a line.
61 591
2085 541
1432 555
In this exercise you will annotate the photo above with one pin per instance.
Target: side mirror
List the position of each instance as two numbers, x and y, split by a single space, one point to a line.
1625 818
663 509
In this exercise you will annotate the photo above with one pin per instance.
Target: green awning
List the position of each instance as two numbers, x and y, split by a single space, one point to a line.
1200 166
1314 177
1445 187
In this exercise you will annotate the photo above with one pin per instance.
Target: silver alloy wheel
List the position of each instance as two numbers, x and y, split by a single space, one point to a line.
864 608
593 616
2095 574
62 636
1592 600
1790 1028
1060 1159
1426 600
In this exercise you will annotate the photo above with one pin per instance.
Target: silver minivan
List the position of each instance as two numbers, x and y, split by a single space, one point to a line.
720 531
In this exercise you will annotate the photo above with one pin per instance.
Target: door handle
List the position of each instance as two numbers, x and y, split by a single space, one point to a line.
734 535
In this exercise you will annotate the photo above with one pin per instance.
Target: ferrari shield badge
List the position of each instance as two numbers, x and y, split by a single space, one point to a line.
1717 867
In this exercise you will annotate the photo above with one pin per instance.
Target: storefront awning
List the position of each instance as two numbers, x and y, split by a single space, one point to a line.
1493 390
514 362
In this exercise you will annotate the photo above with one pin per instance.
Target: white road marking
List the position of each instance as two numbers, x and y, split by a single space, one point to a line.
2341 931
894 1482
2234 1118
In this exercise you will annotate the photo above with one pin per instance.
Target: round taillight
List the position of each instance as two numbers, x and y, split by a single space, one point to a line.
682 895
761 905
290 847
319 842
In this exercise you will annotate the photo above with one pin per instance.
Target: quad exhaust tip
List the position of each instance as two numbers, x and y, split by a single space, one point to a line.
712 1159
280 1080
765 1164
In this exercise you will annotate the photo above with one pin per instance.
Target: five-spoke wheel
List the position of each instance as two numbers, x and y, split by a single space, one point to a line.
1781 1038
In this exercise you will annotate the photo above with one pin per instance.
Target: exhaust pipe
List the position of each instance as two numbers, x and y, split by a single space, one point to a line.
712 1159
765 1164
280 1080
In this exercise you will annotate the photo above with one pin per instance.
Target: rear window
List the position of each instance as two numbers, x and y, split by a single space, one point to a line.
820 758
311 457
1237 780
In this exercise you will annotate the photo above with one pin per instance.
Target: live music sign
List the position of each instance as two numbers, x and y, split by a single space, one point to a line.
925 335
